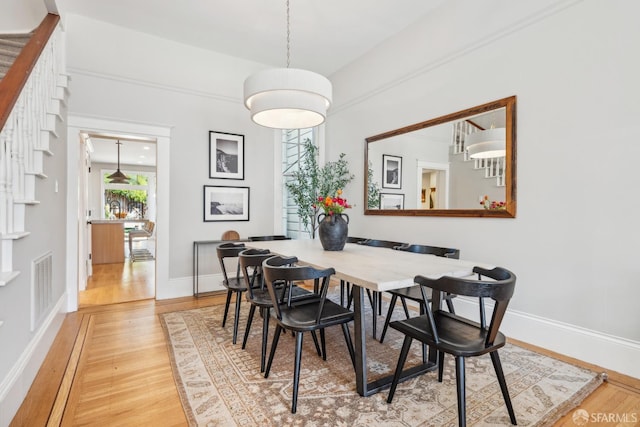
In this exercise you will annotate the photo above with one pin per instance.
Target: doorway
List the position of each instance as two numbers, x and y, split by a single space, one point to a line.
126 279
121 218
433 185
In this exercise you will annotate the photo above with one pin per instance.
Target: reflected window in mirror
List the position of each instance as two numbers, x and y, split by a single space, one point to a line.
461 164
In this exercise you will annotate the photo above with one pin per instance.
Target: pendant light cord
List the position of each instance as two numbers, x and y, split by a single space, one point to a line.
288 37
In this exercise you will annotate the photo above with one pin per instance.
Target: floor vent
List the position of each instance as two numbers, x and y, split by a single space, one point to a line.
41 288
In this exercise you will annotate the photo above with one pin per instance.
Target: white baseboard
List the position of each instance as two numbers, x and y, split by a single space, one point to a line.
183 286
608 351
16 384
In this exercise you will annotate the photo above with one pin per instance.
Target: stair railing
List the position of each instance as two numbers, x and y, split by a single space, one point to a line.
25 94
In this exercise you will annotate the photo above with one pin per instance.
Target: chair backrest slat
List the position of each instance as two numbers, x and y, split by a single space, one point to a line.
433 250
229 250
380 243
253 259
278 269
500 289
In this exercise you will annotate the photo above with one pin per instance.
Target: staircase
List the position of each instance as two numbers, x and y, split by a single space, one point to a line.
26 134
493 167
10 46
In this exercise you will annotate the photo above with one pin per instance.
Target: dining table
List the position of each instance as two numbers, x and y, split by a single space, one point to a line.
376 269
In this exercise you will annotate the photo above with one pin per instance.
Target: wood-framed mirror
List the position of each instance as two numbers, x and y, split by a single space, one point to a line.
462 164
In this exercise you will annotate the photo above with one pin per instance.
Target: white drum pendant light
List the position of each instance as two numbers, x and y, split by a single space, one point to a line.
287 98
487 143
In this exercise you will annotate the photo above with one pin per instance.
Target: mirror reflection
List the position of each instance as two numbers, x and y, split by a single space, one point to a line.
462 164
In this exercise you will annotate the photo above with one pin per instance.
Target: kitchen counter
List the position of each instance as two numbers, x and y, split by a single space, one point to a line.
107 241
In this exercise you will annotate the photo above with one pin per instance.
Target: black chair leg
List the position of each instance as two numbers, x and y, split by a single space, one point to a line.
236 320
450 305
226 307
503 385
347 338
323 345
392 305
406 345
440 365
247 328
296 371
315 342
374 309
274 344
404 305
460 383
265 336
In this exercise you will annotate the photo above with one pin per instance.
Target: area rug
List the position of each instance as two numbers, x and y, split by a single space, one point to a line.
221 385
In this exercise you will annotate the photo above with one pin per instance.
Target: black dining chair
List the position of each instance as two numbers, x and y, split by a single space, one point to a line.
299 319
257 295
234 284
451 333
266 238
413 293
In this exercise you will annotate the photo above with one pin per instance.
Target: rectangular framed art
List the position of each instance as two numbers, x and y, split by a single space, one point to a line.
391 201
226 155
226 203
391 171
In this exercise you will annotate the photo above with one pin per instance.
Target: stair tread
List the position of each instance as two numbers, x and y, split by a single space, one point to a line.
8 276
14 236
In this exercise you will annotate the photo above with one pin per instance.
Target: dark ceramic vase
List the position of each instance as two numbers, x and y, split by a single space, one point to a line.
333 231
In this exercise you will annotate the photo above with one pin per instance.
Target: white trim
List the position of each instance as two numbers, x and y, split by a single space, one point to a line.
610 352
183 286
162 135
18 380
162 86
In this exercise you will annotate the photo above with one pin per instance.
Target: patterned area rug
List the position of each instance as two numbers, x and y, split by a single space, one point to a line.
220 384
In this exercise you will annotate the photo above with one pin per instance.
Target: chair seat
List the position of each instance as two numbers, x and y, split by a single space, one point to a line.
261 297
458 336
234 284
303 317
413 293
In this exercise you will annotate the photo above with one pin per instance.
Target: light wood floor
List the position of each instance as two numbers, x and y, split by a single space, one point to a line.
116 283
109 366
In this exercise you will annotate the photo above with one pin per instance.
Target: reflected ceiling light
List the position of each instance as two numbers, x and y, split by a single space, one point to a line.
487 143
287 98
118 177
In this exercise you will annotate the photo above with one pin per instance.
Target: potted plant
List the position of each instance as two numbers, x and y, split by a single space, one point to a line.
311 181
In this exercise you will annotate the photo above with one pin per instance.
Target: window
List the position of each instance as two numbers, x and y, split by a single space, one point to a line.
135 200
292 152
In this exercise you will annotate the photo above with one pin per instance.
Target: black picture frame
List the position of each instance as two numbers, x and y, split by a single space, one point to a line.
226 155
222 203
391 171
391 201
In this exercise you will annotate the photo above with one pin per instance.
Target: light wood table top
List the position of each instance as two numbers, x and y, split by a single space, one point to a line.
378 269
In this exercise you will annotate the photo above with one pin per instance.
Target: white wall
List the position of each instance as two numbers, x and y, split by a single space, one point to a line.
128 76
21 16
574 243
22 350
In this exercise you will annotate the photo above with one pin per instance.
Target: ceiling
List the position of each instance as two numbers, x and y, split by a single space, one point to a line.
132 152
326 35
